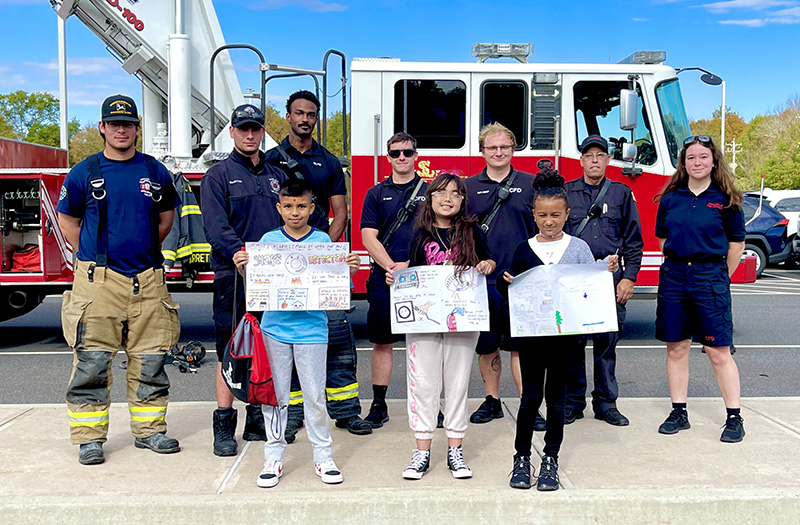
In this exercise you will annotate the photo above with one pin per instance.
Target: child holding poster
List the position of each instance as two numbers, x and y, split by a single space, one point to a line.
443 234
299 338
550 354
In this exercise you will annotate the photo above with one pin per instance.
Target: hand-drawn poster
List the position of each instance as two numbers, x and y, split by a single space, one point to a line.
563 299
297 276
431 299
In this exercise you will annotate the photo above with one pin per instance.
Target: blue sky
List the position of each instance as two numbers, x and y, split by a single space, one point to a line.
752 44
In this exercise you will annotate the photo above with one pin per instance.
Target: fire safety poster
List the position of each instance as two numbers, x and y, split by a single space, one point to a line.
563 299
290 276
433 299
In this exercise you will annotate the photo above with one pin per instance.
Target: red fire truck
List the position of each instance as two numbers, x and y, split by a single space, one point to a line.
187 76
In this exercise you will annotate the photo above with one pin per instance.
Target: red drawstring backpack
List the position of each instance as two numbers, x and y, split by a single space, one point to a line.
245 365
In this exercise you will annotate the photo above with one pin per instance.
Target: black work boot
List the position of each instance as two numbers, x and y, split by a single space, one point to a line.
490 409
355 425
293 424
254 424
91 453
224 432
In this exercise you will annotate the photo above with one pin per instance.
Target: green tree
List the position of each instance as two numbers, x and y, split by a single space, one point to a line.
334 135
275 123
32 117
84 143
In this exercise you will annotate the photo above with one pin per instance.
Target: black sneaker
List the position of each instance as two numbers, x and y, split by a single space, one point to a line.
420 462
292 426
548 474
734 430
677 420
91 453
254 424
540 423
224 430
355 425
159 443
490 409
455 462
521 474
378 414
613 417
570 415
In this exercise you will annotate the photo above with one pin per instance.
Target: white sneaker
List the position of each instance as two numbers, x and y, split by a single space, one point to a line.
329 472
456 463
270 474
420 462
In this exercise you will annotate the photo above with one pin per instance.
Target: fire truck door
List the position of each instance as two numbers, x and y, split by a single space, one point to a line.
56 251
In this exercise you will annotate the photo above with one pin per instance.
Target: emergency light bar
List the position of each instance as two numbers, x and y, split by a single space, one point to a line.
645 57
519 52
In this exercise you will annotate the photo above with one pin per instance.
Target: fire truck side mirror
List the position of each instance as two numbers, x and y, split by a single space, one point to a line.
628 109
629 151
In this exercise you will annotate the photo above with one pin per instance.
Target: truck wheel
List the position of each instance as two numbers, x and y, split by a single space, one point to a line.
758 253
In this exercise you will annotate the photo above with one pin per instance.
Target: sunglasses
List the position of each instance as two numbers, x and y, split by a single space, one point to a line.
408 153
705 140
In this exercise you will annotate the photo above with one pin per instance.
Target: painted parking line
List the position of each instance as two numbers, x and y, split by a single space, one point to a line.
642 347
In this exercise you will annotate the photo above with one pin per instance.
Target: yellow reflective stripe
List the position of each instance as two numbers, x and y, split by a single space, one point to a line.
148 413
190 209
345 392
89 423
351 386
99 413
168 254
296 398
200 247
148 418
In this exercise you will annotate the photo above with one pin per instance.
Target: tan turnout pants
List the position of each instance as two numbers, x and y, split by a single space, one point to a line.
101 315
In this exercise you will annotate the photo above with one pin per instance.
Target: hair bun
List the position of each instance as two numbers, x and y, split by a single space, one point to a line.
548 179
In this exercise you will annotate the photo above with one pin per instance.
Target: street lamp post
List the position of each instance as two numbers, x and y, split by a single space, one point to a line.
712 80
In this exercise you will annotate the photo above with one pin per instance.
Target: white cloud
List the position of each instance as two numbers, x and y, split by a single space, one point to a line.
312 5
789 16
20 2
641 19
80 66
757 5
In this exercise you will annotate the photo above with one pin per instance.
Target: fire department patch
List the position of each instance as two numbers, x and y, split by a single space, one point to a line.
144 186
274 185
63 194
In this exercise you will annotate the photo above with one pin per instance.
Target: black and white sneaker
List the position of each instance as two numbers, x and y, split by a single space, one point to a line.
456 463
420 462
521 475
328 472
270 474
548 474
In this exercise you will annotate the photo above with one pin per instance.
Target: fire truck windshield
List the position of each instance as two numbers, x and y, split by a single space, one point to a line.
673 116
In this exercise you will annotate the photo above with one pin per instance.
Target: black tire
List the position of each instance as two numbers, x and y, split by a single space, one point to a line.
761 258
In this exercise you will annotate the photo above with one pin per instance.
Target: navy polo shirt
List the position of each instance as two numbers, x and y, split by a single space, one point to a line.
514 220
698 227
127 185
381 206
321 169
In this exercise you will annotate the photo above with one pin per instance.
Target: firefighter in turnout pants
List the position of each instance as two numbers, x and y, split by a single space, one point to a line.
115 208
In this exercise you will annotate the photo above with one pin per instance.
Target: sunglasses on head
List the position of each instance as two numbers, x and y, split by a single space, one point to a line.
408 153
705 140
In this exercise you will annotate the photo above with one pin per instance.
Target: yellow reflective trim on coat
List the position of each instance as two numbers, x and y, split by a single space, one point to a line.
190 249
168 255
190 209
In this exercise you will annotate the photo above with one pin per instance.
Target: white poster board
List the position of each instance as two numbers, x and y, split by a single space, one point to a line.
563 299
291 276
431 299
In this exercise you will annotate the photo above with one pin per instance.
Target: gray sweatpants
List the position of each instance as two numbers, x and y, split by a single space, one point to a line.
310 361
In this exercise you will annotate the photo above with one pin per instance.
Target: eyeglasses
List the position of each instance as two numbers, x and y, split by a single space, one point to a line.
594 156
494 149
116 124
444 195
408 153
705 140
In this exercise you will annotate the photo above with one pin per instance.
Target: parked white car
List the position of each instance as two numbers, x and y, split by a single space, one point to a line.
788 203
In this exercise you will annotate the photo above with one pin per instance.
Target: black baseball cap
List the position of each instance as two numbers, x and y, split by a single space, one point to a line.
247 113
120 108
594 141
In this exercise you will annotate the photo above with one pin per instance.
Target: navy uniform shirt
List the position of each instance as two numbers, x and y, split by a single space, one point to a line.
698 227
514 220
238 201
617 228
321 169
381 206
129 201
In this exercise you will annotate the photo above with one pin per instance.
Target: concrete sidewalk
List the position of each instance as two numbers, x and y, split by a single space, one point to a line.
608 474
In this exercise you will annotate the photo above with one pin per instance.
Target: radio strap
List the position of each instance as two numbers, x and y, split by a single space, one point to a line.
594 210
502 195
404 214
